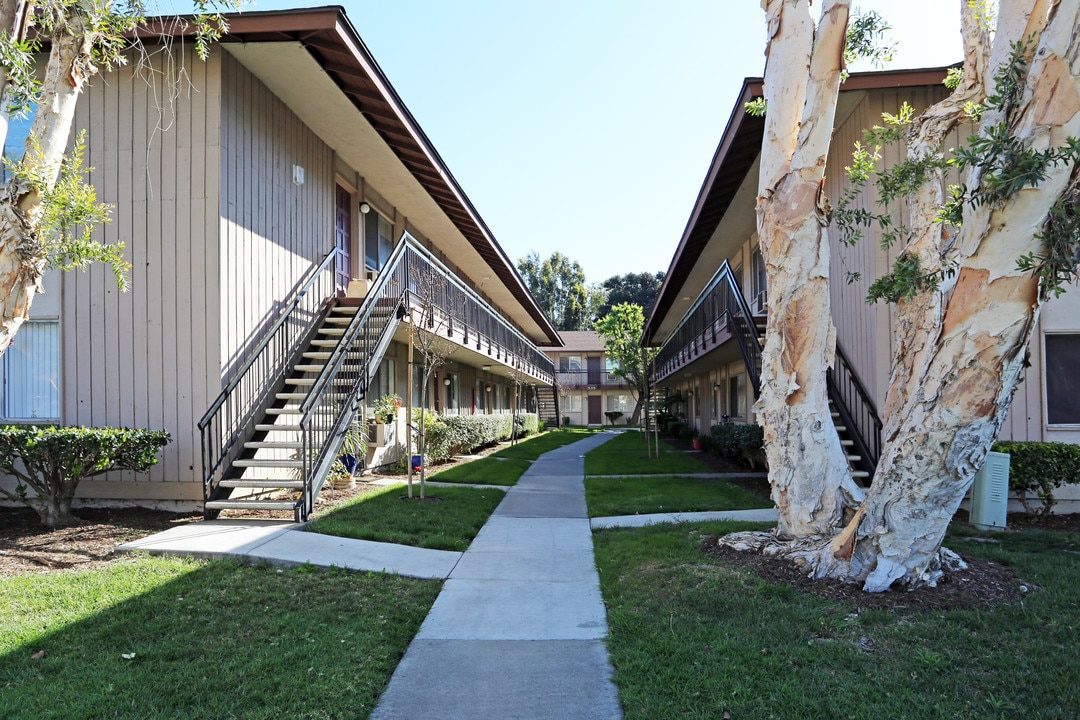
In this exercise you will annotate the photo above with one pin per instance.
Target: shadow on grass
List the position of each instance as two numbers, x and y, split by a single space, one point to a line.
170 638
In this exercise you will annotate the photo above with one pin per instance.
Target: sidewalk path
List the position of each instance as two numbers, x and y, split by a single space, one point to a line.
517 631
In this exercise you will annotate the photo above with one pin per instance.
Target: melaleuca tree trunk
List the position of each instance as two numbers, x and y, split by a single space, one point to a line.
964 347
23 251
968 311
808 471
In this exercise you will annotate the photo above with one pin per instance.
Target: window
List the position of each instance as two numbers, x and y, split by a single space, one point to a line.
451 405
378 240
481 396
570 403
737 396
620 403
31 373
569 363
384 382
15 143
1062 382
758 283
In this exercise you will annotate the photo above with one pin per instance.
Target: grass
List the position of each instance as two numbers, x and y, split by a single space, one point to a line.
449 524
507 464
205 640
608 496
691 637
627 454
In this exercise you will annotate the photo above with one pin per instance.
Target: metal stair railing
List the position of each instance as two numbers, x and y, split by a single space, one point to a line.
856 409
719 306
336 395
226 424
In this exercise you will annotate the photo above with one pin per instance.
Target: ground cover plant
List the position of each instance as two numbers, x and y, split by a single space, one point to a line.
447 520
608 496
166 638
627 454
694 636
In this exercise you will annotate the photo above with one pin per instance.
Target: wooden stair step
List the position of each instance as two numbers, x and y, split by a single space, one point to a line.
345 309
263 484
250 505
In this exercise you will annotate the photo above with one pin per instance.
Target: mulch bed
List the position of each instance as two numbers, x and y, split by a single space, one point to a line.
983 584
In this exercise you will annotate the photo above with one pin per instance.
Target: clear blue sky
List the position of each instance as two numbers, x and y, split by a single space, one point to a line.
587 126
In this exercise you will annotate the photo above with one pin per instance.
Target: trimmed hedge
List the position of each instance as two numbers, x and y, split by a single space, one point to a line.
450 435
1038 468
52 460
745 443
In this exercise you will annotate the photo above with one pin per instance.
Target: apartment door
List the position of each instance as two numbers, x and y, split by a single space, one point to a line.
594 409
593 371
343 237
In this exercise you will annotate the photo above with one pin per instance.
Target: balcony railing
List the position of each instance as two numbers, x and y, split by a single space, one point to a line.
719 314
589 378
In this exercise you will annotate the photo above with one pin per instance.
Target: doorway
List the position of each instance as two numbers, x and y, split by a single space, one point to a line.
343 239
594 409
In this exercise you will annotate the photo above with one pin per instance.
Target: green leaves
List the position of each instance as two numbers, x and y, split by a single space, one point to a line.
558 284
52 460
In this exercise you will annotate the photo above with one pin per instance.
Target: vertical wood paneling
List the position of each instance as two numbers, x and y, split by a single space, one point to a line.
273 230
863 329
143 359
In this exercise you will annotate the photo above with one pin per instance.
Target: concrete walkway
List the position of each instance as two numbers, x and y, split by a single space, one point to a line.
518 629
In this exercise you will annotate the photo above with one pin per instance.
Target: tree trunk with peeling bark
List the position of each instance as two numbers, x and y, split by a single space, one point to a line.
808 471
23 258
960 349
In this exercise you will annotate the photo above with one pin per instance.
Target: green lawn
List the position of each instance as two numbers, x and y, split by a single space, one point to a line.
508 463
692 637
150 638
627 454
608 496
488 470
447 524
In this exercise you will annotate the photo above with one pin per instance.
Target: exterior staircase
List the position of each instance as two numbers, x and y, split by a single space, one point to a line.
547 406
268 474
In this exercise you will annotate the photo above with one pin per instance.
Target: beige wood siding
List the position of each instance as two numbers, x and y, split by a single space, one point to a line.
145 359
861 328
272 229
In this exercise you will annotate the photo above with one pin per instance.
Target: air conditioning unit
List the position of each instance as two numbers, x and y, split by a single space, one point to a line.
990 493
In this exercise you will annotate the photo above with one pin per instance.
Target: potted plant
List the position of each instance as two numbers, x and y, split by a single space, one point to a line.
386 408
354 448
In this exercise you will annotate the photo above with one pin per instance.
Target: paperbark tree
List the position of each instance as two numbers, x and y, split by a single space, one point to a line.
968 300
811 484
39 219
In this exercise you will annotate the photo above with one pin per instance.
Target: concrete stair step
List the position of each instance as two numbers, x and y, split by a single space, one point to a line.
853 458
270 427
331 332
324 343
284 445
309 367
282 463
860 474
263 484
250 505
345 309
318 355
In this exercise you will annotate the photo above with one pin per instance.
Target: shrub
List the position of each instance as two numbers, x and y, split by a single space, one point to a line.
1039 468
745 443
52 461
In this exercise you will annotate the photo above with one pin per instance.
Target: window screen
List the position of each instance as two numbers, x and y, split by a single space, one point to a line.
1062 380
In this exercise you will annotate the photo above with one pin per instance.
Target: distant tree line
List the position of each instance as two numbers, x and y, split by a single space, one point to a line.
559 286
